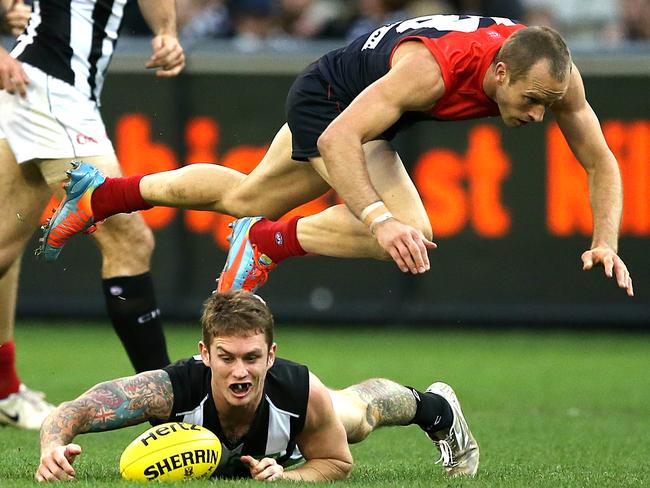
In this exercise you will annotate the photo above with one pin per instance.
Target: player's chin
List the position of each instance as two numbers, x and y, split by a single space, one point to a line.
512 122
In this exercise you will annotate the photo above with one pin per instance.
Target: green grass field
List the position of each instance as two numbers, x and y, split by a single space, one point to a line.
548 409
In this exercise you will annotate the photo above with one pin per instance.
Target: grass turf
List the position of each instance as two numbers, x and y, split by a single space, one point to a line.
548 409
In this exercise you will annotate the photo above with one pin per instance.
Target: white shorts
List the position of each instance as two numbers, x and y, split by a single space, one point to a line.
55 121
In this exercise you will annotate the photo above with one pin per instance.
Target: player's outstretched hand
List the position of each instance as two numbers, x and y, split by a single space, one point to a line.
614 266
12 77
405 244
168 58
266 469
56 463
17 17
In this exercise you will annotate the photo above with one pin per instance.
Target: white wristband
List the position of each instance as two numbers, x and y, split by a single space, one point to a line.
366 211
378 220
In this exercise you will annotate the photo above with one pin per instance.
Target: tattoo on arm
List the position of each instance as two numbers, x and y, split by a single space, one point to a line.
387 402
111 405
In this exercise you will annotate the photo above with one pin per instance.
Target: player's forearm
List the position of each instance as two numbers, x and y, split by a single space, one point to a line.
110 405
66 422
320 470
606 195
160 15
346 166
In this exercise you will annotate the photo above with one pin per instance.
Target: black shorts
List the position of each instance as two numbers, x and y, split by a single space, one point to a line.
311 106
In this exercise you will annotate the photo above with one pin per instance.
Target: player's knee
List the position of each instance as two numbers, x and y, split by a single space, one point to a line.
380 253
240 203
125 239
360 430
426 229
9 254
422 224
5 263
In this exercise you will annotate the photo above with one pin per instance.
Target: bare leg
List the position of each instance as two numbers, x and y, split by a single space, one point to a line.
8 293
23 195
372 404
278 184
337 232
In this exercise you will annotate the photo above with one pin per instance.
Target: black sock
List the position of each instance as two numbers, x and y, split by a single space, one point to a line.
131 305
432 413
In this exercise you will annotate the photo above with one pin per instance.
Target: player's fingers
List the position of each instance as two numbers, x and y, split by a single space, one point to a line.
62 462
274 474
171 64
169 71
419 254
5 83
424 256
265 463
260 470
587 260
621 272
405 253
623 277
18 12
608 263
166 53
53 470
161 55
14 81
72 451
20 87
630 288
158 50
268 470
394 253
41 473
249 461
429 244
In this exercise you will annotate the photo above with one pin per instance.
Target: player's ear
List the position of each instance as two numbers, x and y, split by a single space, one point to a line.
205 353
501 73
271 358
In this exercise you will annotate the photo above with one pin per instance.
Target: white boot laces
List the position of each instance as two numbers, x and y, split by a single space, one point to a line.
446 454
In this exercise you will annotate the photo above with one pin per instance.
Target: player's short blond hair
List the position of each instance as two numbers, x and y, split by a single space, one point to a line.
236 313
526 47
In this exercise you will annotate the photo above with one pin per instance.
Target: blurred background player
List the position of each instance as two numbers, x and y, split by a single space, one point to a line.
50 89
268 412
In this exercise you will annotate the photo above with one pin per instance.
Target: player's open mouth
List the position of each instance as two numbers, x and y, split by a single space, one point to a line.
241 389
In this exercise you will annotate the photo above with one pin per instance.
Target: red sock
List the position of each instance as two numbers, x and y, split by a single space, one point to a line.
118 195
278 240
9 381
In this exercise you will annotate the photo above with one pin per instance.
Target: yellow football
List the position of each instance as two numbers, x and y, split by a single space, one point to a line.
171 451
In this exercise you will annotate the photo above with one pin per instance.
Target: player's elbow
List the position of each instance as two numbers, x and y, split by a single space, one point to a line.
336 139
343 469
325 469
326 142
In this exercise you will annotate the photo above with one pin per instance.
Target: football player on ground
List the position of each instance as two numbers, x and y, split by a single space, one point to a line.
340 111
268 412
